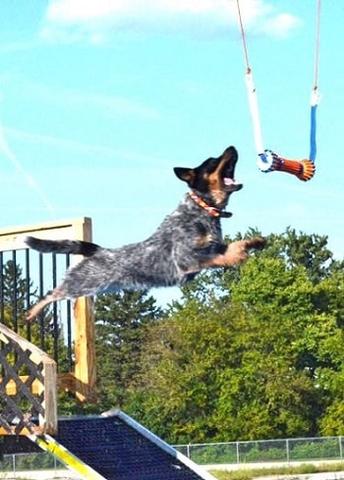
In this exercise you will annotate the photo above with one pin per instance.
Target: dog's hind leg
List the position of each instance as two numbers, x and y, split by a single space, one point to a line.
51 297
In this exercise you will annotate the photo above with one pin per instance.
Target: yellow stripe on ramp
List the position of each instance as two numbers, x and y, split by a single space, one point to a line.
49 444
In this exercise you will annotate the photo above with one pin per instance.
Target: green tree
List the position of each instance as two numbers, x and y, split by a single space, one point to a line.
330 353
121 319
14 295
308 250
259 356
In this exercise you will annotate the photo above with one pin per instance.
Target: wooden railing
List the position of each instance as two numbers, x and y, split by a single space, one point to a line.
77 368
28 384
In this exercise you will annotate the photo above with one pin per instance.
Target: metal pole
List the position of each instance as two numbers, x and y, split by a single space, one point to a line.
237 452
15 291
2 299
340 438
41 295
288 452
188 450
27 288
55 321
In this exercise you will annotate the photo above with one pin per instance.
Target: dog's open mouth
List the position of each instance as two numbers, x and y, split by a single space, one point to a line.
227 175
231 185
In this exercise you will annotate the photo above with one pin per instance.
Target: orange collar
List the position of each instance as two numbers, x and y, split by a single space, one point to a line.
212 211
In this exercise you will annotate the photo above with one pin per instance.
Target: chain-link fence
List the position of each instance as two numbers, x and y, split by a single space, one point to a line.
29 461
286 450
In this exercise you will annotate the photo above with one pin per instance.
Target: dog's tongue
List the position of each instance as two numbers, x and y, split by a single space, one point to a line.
229 181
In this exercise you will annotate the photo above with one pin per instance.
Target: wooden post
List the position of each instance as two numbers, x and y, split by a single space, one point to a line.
50 397
85 364
85 356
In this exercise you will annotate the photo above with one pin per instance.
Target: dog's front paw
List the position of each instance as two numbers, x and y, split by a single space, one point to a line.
256 243
237 252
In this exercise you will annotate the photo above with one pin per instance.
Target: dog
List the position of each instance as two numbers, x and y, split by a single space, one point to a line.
188 241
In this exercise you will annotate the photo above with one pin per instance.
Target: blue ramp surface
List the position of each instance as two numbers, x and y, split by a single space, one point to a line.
121 449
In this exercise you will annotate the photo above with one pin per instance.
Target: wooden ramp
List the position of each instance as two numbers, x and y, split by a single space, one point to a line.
112 446
50 445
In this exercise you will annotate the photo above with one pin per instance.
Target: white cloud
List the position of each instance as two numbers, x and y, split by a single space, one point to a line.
94 21
281 24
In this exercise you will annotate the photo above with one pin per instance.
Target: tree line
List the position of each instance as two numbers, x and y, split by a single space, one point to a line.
251 352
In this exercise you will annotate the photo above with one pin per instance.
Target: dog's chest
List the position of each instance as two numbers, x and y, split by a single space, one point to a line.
207 232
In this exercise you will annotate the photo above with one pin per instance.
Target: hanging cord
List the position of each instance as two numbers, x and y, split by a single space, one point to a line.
243 38
315 98
317 47
265 160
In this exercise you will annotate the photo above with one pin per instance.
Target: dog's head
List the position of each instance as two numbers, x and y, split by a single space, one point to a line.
214 178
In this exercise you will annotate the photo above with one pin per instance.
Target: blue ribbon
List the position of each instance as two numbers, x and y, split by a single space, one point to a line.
313 142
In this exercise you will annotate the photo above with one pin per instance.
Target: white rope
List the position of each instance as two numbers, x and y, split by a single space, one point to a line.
265 159
317 46
254 110
315 96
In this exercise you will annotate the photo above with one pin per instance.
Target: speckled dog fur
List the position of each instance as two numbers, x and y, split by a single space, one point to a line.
187 241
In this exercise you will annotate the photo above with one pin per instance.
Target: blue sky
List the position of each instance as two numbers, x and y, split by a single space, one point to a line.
99 100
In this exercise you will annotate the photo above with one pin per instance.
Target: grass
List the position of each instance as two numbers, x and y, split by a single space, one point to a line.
249 474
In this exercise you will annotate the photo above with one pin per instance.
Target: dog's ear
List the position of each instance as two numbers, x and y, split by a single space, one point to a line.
185 174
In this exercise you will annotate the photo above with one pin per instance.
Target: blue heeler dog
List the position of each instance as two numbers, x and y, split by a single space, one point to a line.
188 241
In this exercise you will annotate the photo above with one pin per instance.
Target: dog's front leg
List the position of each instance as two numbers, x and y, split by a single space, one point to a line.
235 253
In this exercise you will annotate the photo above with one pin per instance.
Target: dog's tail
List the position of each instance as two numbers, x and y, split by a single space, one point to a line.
76 247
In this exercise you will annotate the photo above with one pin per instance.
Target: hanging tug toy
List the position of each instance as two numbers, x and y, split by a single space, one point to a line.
269 161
